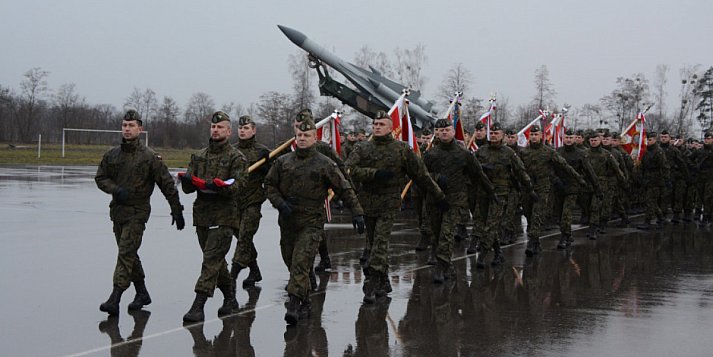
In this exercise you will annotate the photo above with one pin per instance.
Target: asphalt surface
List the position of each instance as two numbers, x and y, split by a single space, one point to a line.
628 293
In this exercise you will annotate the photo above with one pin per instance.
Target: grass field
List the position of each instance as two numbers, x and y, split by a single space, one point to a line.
91 155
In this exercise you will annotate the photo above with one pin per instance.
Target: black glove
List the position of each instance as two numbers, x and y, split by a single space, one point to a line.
443 205
488 166
177 219
263 154
534 196
211 186
187 180
442 182
121 195
383 175
358 222
285 209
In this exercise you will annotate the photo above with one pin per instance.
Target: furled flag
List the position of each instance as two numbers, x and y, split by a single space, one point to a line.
554 132
330 132
487 117
633 139
455 117
402 128
523 136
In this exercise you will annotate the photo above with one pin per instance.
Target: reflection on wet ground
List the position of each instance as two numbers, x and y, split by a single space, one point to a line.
629 293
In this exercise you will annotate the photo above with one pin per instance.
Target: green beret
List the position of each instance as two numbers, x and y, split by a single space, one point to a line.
443 123
496 126
651 134
579 132
510 131
131 115
615 135
219 116
361 131
535 129
304 114
606 134
307 125
708 134
664 132
245 120
570 131
426 131
381 115
479 125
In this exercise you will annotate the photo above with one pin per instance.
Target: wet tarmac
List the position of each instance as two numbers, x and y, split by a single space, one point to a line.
628 293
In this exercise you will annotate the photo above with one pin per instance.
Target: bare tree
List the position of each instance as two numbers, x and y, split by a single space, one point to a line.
458 79
302 77
471 110
368 58
275 109
659 93
164 127
144 102
409 66
544 93
684 119
630 97
67 102
34 92
704 91
199 108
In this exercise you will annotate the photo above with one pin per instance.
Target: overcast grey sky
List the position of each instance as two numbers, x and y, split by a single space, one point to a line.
234 51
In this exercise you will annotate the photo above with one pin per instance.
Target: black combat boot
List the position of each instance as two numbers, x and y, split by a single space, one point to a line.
305 308
142 297
438 270
369 286
230 304
676 219
498 259
705 221
195 313
625 221
532 246
661 222
602 228
563 242
592 233
254 276
473 246
645 226
293 305
480 261
570 240
111 305
687 216
510 238
461 233
383 287
698 214
235 269
432 260
324 264
423 242
364 259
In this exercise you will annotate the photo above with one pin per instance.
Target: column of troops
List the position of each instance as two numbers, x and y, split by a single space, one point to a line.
490 188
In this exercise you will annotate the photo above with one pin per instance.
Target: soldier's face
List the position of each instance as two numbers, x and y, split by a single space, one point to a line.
650 141
246 131
615 142
220 131
361 137
569 140
512 139
382 127
496 136
579 139
305 139
427 138
480 134
446 134
665 138
595 141
606 141
708 140
351 137
536 137
130 130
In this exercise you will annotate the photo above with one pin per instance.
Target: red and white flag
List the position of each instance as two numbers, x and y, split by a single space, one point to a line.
554 133
633 139
523 136
487 117
330 132
402 128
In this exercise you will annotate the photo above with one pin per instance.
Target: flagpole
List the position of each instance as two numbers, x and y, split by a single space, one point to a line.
283 146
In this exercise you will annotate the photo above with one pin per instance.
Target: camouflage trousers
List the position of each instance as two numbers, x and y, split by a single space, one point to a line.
584 201
424 224
653 196
617 200
298 246
536 213
513 219
249 221
128 241
675 196
603 206
563 208
479 210
691 201
378 232
215 244
494 223
705 192
443 225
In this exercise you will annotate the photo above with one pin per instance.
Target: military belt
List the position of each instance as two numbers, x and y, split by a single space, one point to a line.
304 202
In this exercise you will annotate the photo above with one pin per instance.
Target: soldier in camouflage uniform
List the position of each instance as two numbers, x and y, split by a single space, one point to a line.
381 166
676 194
628 169
249 203
297 185
218 175
704 163
567 190
451 166
348 145
618 188
655 178
129 173
419 202
513 212
543 164
503 167
687 151
478 205
604 165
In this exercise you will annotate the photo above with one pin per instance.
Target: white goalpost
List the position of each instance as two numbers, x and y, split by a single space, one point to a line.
65 130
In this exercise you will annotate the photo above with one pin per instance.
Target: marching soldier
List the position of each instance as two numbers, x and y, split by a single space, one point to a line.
618 187
419 200
676 194
381 165
704 162
478 211
297 186
129 173
513 215
655 178
217 174
604 165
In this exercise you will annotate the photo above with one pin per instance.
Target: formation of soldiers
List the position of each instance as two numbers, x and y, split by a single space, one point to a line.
453 187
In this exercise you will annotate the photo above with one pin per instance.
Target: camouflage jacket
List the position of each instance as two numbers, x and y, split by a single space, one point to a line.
218 160
544 165
347 148
254 192
703 159
655 169
579 160
457 167
504 168
605 165
677 164
136 168
628 169
302 179
620 161
386 153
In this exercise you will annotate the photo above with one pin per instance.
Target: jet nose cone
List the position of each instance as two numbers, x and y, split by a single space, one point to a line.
298 38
